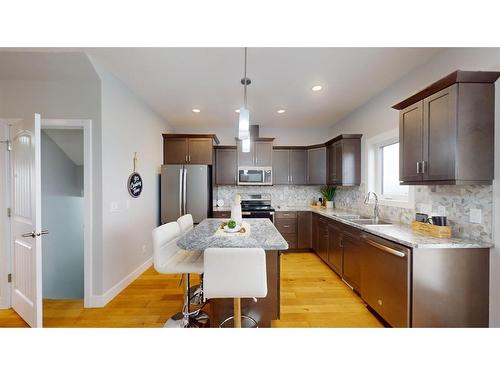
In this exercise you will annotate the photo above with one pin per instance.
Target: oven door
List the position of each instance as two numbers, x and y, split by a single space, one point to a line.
258 215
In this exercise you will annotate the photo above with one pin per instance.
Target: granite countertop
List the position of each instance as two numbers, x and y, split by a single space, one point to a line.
396 232
263 234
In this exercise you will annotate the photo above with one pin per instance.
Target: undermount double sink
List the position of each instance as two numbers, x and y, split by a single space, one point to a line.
364 220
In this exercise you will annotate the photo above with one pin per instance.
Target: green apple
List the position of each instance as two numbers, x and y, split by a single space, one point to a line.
231 224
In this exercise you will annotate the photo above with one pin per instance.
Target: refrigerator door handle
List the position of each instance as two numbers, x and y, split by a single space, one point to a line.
180 192
184 198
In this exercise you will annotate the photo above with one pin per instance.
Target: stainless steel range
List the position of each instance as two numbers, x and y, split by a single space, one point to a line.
256 205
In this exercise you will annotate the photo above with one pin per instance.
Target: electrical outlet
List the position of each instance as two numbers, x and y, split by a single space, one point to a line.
143 249
114 207
426 208
475 215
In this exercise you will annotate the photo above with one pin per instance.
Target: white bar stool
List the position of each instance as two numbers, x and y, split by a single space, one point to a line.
235 273
168 258
185 223
196 291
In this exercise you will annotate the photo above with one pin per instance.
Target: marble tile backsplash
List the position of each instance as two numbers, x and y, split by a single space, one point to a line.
455 200
293 195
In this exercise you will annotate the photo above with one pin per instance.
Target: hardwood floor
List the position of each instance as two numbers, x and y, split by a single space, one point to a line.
312 295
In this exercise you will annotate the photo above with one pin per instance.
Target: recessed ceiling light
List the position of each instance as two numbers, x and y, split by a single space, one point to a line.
317 88
280 111
196 110
237 110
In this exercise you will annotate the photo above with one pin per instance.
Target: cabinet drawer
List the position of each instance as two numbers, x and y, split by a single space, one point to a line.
291 239
221 214
286 215
286 225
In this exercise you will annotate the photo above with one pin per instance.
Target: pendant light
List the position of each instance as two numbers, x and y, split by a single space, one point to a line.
244 119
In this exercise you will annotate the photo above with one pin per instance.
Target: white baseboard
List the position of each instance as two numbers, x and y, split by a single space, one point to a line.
103 299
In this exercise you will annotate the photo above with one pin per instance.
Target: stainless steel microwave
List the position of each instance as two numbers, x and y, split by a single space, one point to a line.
255 175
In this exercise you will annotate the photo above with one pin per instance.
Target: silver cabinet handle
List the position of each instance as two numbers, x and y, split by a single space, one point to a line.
286 226
189 158
418 167
384 248
424 166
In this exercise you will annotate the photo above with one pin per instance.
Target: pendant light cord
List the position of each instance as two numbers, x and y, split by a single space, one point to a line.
245 89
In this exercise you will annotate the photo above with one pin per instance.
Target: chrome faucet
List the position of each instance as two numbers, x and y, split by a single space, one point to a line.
375 208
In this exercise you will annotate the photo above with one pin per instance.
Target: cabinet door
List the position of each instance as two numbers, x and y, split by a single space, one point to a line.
225 167
304 230
314 233
281 175
335 252
411 143
175 151
323 239
263 154
352 260
440 123
200 151
339 163
298 167
316 166
246 159
386 275
331 165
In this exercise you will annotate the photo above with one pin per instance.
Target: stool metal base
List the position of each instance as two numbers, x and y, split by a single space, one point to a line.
198 319
243 317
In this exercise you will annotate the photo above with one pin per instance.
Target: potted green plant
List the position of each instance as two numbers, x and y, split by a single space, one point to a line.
328 192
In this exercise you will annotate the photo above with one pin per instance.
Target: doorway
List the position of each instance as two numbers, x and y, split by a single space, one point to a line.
78 200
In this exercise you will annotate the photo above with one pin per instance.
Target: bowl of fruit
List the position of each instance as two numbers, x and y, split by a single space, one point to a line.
231 227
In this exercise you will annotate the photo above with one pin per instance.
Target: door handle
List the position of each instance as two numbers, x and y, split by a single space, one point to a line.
31 234
43 232
384 248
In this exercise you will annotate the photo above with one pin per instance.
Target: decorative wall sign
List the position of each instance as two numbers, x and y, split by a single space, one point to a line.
135 184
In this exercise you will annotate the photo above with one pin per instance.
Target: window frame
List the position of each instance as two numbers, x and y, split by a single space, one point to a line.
375 169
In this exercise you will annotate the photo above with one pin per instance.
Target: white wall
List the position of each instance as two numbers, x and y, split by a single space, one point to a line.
284 136
63 216
128 126
377 116
4 286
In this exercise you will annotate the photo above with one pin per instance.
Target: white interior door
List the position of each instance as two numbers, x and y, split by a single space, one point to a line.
26 221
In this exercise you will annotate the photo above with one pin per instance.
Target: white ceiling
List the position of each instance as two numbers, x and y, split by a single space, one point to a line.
175 80
70 141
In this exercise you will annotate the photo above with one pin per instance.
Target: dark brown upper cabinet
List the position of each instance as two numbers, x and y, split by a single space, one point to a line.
260 155
344 160
316 166
446 131
188 148
225 165
289 166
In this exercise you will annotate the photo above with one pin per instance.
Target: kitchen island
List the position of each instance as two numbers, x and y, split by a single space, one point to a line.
261 233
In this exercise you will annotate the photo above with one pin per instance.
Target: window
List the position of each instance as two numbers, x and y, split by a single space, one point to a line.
382 172
389 170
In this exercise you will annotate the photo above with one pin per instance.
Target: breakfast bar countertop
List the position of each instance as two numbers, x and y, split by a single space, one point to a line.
262 234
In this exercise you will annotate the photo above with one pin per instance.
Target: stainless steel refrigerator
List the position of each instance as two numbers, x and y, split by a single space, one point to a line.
185 189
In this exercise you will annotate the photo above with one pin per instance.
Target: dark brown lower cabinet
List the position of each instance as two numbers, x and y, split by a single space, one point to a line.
304 230
352 245
386 279
314 232
335 251
323 239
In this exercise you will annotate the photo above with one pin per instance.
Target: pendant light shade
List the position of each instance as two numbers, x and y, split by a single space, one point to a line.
244 123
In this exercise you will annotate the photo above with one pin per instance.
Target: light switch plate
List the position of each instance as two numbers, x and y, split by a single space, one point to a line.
114 207
426 208
475 215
